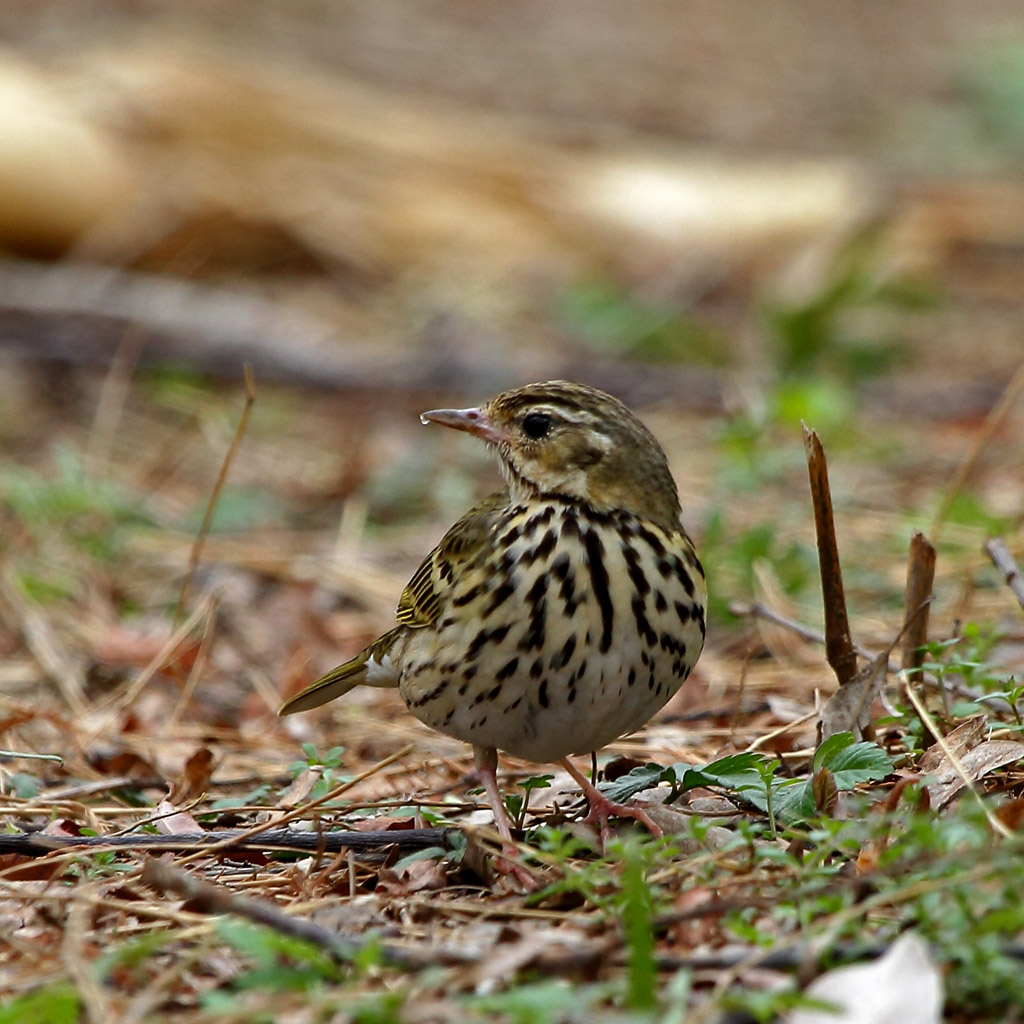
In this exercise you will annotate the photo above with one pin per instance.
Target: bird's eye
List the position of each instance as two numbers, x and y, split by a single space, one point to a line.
536 425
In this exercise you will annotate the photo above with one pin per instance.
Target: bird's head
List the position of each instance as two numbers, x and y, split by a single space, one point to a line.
574 441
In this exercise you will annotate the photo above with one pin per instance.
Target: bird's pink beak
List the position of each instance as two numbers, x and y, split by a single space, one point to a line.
472 421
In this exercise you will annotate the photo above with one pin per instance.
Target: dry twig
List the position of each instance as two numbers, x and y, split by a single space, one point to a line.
211 505
208 898
35 844
1003 560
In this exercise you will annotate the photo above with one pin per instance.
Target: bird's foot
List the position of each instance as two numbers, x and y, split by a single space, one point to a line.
602 809
508 864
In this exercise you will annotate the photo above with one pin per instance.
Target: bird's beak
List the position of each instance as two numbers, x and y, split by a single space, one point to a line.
472 421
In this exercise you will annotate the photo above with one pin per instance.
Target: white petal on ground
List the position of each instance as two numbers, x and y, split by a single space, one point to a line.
902 987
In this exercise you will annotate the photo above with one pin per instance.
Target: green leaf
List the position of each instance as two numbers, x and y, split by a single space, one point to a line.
751 776
851 763
645 776
536 782
637 910
54 1004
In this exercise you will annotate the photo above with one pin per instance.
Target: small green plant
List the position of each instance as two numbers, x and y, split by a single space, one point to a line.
101 864
327 765
848 326
752 777
517 805
636 906
277 962
963 663
87 513
612 320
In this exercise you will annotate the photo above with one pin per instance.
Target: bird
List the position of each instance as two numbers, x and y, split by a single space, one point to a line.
559 613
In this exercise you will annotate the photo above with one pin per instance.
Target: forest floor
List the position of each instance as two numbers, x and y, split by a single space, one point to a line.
178 554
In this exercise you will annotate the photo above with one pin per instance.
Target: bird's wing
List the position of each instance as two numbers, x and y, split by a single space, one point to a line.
419 607
420 604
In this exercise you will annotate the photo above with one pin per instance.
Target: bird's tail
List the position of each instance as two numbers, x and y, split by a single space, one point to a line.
371 666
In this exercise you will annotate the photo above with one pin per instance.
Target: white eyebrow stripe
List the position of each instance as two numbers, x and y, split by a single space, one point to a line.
561 412
578 417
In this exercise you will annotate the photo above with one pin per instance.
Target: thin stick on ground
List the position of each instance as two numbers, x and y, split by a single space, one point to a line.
303 812
839 649
211 505
757 610
1003 560
35 844
208 898
113 395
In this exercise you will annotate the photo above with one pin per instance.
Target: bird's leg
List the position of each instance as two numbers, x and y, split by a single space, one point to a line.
486 761
601 808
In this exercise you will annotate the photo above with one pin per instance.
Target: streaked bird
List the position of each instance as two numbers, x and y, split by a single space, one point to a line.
557 614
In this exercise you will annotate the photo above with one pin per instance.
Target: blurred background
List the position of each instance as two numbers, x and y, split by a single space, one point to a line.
734 216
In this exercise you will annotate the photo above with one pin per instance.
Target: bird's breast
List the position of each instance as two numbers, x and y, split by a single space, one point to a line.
569 628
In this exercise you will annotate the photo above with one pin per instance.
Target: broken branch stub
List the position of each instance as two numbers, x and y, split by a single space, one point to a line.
839 648
917 597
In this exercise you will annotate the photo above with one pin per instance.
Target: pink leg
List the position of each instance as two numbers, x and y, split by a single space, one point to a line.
601 808
486 761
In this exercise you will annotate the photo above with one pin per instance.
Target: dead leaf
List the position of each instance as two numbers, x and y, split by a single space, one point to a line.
695 928
195 777
947 781
826 794
416 876
1011 814
849 708
300 789
62 827
174 822
964 737
125 763
383 823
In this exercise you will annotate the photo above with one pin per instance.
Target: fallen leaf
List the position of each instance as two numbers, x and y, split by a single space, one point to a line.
1011 814
415 876
62 827
195 776
300 789
946 781
125 763
383 823
964 737
849 708
174 822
